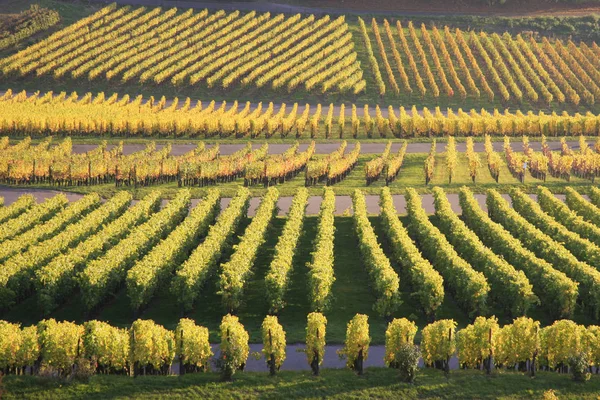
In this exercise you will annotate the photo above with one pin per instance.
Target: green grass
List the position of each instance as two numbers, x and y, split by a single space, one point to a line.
377 383
351 292
411 175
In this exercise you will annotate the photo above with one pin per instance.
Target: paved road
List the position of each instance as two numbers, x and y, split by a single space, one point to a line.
325 148
296 359
342 203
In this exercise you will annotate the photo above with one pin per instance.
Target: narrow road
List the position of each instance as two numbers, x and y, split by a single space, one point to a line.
296 359
326 148
343 204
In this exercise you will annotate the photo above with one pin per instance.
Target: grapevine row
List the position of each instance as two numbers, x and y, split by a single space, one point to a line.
107 273
509 288
547 248
426 282
18 271
98 115
468 286
557 292
320 268
280 269
148 273
202 262
385 280
56 280
236 271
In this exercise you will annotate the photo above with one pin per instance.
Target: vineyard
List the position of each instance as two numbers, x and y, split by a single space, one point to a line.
224 54
91 115
53 163
71 259
460 287
27 24
152 46
445 63
146 348
185 191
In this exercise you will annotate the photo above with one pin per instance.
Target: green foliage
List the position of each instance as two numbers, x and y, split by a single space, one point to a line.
108 346
57 279
29 348
510 287
36 215
192 344
567 217
22 204
316 330
357 340
146 276
547 248
10 341
151 345
560 342
194 272
234 346
407 356
18 271
21 243
60 344
273 341
320 275
557 292
438 341
399 332
517 342
581 206
592 337
238 269
385 280
277 278
580 247
469 286
28 23
476 342
106 273
426 282
579 367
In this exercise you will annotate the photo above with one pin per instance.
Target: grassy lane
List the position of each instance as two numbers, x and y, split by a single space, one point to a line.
293 316
379 383
352 292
